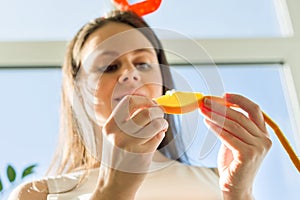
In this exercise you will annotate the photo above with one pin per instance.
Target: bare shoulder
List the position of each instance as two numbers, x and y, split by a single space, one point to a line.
37 190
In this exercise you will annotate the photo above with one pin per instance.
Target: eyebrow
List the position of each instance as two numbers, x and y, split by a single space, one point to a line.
109 53
115 53
147 50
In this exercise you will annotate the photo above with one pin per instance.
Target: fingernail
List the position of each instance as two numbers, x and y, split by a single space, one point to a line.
227 96
162 134
153 101
207 101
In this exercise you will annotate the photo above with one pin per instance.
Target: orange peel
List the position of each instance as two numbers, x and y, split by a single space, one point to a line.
182 102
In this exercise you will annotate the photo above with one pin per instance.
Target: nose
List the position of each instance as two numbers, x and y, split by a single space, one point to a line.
129 76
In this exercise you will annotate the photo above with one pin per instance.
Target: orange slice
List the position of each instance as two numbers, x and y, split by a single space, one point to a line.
182 102
179 102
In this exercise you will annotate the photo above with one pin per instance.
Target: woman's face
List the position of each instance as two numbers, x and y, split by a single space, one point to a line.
117 60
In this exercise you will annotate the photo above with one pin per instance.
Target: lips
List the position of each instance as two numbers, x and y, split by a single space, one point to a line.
120 97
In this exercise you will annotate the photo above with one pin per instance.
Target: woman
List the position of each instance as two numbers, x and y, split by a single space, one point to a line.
111 128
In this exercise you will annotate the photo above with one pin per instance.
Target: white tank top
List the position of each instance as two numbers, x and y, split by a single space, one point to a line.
176 181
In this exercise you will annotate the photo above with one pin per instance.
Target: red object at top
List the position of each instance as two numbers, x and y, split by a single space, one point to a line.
141 8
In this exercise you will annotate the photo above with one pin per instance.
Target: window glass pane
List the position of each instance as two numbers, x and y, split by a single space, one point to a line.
219 19
29 114
47 20
266 85
59 20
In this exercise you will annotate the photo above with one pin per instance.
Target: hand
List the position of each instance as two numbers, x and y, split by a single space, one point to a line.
131 135
245 143
135 124
133 131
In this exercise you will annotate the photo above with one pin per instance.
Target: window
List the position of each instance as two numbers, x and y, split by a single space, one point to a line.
259 36
222 19
29 116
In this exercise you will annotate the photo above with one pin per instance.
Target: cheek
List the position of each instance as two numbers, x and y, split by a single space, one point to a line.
155 83
103 98
156 90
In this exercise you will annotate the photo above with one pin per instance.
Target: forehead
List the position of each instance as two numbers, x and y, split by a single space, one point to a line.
115 37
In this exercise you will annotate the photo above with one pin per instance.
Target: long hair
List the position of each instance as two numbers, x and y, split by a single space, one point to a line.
71 153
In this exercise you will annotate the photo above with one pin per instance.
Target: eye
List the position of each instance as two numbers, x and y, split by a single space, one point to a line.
109 68
143 66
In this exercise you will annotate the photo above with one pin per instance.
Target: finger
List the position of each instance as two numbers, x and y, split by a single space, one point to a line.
148 137
250 107
233 115
231 126
146 115
129 104
154 142
140 119
226 138
151 129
